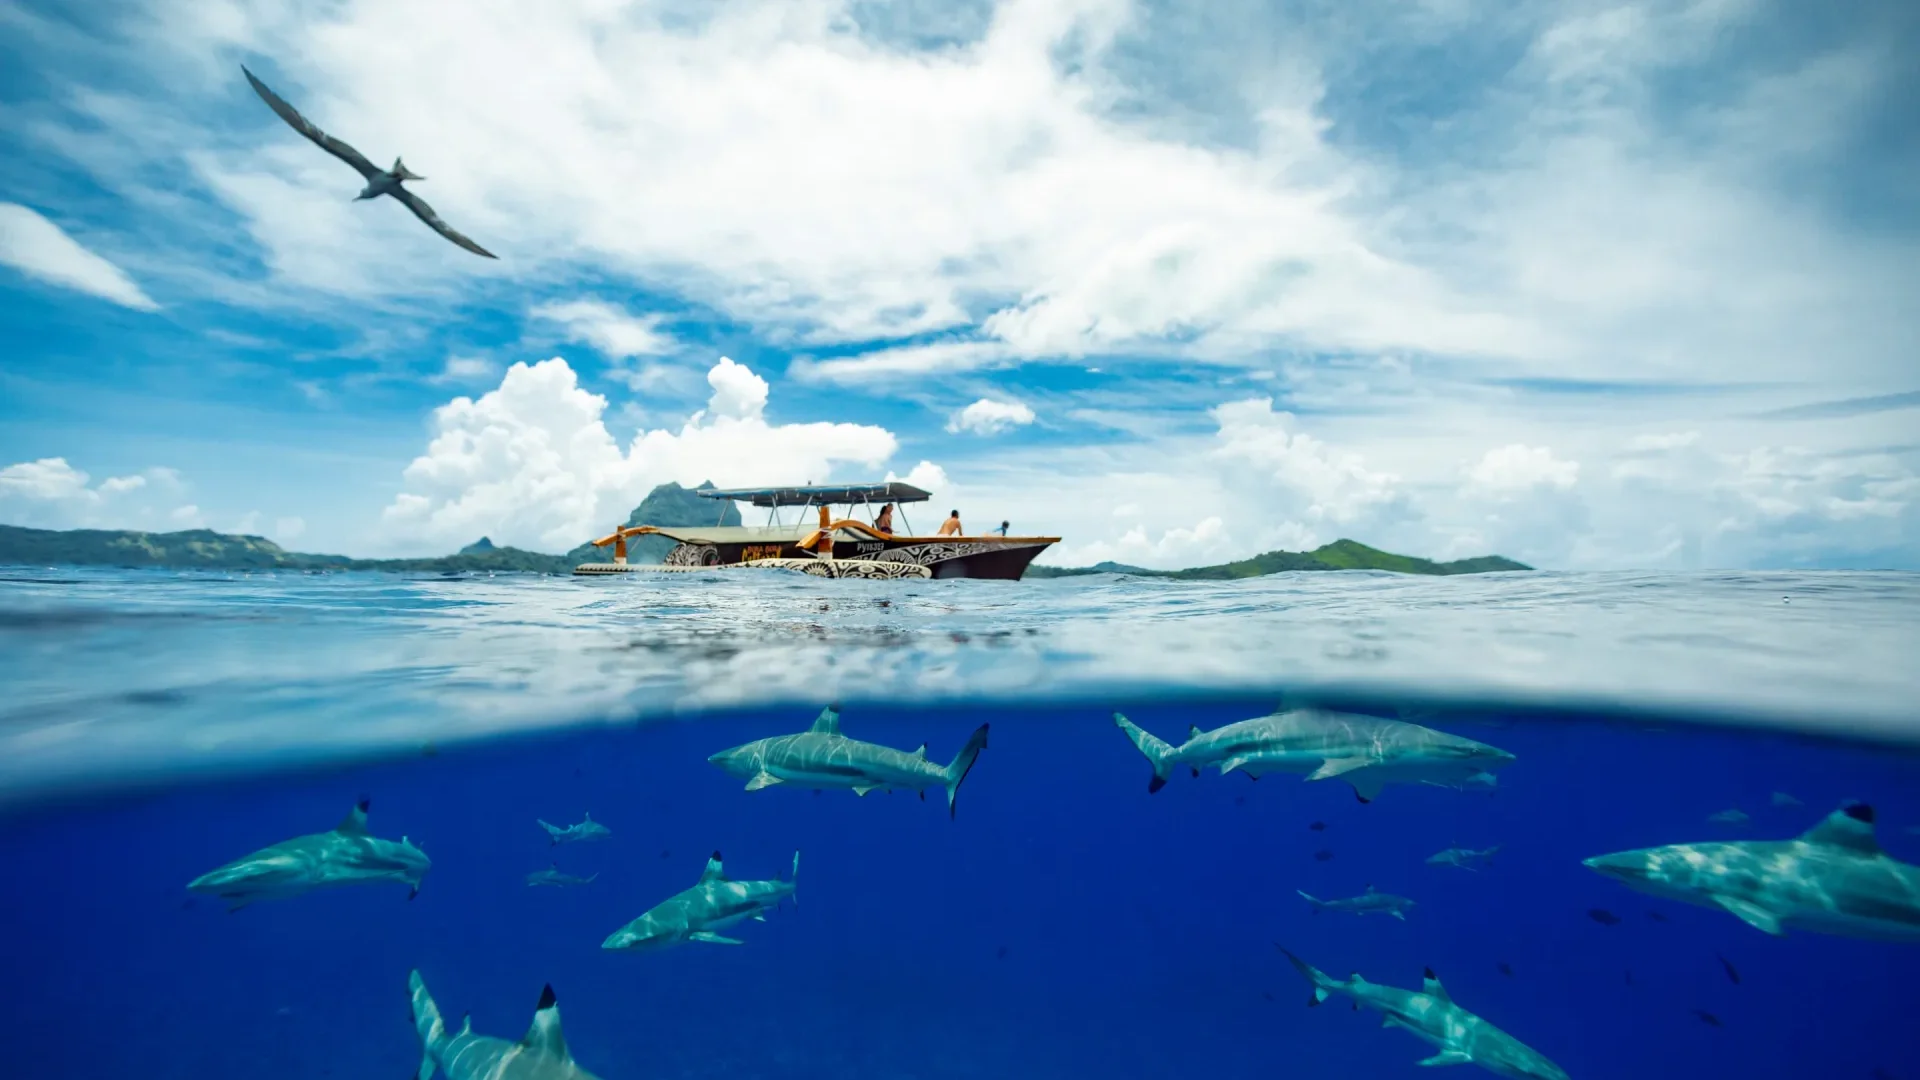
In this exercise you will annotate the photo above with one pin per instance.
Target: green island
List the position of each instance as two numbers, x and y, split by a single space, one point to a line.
668 504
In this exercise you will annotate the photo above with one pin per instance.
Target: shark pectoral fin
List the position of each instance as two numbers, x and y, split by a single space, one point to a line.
1336 766
713 939
863 790
1449 1057
1366 787
1401 915
1752 914
762 779
1387 1021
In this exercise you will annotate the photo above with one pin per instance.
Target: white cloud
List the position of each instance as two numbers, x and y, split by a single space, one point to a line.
187 517
1514 469
463 369
612 332
990 417
1330 485
40 249
52 494
1177 546
1037 190
926 476
532 463
288 529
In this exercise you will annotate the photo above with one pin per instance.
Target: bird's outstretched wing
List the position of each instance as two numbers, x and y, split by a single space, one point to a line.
425 213
302 125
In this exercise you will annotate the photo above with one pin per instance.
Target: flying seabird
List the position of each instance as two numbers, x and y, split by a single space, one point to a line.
379 181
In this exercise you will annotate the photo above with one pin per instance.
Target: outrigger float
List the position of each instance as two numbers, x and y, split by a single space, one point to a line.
829 546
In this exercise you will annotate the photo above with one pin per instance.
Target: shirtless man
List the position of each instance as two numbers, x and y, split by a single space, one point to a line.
951 526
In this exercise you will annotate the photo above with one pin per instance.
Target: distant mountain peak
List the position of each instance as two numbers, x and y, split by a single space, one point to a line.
478 547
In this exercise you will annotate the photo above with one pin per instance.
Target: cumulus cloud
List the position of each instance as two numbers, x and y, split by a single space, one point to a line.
1510 470
465 369
42 250
50 493
611 331
1330 485
990 417
533 464
1177 546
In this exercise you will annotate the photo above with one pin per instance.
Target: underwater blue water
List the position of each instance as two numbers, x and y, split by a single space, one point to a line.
1065 923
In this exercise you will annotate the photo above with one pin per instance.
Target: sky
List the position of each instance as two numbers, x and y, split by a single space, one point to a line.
1596 286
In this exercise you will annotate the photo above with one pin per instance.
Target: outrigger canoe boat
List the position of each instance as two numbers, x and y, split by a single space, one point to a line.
827 546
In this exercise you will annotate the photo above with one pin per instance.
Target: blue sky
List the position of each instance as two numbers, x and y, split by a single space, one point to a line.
1592 285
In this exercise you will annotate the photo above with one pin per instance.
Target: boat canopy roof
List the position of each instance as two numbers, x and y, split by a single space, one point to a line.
822 494
733 534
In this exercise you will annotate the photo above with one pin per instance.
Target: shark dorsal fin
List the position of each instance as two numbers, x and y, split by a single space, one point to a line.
714 870
355 823
466 1024
922 752
1193 731
1370 889
544 1034
1850 827
827 723
1433 988
586 817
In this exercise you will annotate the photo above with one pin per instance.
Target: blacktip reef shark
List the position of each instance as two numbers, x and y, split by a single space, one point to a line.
1464 858
540 1055
821 758
1371 902
379 181
1831 879
345 856
1367 752
553 876
713 903
587 829
1459 1036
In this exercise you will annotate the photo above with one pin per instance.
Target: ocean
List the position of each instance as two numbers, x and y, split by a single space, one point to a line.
1063 922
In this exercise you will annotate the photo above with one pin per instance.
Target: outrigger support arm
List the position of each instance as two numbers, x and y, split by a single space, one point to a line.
618 538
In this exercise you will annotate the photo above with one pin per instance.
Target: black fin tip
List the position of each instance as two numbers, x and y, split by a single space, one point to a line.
1861 812
547 999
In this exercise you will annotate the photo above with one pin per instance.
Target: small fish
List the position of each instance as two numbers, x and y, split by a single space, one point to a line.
1323 855
1782 799
1707 1018
1506 969
1729 817
587 829
1603 916
1656 916
1732 972
1321 826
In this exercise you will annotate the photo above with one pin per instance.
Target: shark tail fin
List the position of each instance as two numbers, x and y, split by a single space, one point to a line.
1322 984
963 764
427 1022
1155 750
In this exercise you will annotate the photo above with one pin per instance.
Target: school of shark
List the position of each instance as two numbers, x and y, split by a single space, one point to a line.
1832 879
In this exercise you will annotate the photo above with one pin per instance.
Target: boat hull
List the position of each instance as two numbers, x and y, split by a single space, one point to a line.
991 558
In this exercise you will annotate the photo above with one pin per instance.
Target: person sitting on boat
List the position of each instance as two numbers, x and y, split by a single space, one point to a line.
884 523
951 526
1002 530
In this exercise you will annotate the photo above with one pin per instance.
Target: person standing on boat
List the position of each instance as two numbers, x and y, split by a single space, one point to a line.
951 526
1002 530
884 523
